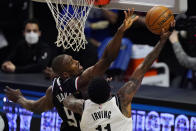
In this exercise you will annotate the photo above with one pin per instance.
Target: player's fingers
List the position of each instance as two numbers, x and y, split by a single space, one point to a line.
9 89
162 31
129 12
5 90
173 23
135 17
132 11
125 14
7 93
18 90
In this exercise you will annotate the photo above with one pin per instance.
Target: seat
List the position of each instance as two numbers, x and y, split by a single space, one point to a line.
161 79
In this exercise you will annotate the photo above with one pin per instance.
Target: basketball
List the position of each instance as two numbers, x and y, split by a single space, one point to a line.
157 18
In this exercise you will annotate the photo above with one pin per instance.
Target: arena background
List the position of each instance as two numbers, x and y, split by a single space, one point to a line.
154 108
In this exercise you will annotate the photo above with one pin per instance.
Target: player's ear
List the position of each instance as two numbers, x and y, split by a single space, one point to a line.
65 75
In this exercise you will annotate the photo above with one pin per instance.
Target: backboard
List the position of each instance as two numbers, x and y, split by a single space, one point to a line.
177 6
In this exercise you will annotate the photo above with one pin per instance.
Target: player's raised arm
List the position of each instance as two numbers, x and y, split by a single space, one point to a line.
110 53
37 106
129 89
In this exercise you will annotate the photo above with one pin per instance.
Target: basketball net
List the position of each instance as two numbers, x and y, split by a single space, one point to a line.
70 24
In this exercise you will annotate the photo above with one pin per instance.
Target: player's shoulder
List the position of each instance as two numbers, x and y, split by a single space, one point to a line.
66 84
59 81
69 80
49 91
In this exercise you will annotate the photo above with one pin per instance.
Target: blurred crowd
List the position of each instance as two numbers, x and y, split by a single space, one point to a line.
28 33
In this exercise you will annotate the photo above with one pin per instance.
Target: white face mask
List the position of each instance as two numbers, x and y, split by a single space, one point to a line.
32 37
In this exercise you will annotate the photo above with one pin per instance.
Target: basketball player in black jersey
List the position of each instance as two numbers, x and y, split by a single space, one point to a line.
72 79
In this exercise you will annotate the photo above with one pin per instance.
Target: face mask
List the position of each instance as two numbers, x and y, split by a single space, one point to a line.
32 38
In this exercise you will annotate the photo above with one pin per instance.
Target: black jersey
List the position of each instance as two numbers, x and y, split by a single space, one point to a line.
61 89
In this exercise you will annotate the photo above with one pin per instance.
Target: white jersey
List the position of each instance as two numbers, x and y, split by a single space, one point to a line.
104 117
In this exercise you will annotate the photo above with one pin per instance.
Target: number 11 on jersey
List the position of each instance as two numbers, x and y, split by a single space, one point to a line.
107 128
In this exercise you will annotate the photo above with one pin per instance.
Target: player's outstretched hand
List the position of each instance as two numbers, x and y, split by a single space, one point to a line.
174 37
165 35
13 94
130 18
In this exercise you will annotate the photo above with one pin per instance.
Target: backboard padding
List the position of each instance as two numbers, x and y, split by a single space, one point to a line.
177 6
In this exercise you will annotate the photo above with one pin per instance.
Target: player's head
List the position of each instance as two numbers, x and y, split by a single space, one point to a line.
65 66
99 90
32 31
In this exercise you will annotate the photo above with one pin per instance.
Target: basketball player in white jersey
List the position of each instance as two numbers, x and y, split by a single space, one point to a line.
102 112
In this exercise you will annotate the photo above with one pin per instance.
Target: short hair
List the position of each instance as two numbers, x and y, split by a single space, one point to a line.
57 63
32 21
99 90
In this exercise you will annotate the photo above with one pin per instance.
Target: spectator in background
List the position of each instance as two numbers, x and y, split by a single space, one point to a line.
186 25
31 54
100 25
184 59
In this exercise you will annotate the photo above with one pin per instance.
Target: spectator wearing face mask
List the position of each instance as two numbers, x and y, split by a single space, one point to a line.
31 54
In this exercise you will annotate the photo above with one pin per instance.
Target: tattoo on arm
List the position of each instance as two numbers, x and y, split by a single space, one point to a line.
128 90
134 83
126 94
152 56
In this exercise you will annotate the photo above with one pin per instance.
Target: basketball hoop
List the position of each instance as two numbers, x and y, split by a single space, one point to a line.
70 26
70 21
